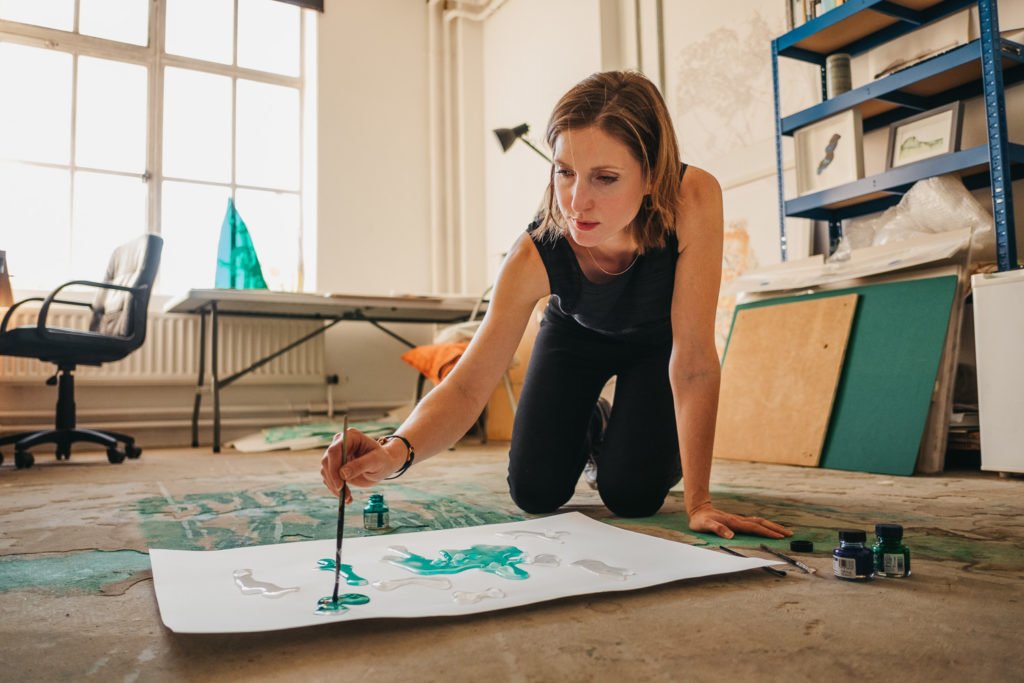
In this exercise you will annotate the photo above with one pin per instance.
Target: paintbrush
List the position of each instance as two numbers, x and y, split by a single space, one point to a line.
792 560
341 512
770 570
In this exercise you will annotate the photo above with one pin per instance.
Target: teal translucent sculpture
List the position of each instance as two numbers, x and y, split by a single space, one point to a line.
237 264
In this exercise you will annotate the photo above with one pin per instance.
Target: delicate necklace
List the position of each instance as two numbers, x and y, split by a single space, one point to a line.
621 272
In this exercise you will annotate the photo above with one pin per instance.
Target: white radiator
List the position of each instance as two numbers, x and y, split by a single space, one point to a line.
170 354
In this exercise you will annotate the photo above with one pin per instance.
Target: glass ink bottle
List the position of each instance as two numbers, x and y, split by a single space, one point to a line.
375 514
852 560
892 558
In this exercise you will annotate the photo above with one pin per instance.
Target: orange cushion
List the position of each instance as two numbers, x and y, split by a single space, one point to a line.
435 361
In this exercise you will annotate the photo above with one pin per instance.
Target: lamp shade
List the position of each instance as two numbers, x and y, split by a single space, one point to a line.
508 136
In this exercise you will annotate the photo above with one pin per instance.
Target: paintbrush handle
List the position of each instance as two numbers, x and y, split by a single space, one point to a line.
341 513
792 560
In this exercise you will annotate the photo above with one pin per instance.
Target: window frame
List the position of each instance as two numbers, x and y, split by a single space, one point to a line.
155 59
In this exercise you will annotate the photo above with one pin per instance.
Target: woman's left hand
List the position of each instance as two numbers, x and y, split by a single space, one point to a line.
709 518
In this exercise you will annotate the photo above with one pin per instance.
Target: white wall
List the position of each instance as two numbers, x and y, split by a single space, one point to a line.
373 208
533 51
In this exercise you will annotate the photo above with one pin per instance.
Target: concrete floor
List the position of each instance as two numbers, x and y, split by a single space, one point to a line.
959 617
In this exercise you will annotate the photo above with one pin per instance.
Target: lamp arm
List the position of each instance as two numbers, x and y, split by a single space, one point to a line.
535 149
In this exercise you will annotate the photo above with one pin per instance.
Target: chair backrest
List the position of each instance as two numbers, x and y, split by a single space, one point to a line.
123 314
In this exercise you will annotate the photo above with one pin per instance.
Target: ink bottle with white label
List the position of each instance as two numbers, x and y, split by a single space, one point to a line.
852 560
892 558
375 514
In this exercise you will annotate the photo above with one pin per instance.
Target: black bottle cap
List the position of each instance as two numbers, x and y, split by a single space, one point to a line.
801 546
852 535
891 532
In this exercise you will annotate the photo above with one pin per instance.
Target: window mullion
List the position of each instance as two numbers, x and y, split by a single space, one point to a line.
230 71
155 148
301 274
72 158
234 100
54 39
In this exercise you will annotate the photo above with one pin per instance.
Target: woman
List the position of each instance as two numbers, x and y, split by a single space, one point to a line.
629 246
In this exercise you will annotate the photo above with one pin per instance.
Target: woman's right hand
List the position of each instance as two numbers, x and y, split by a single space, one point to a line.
367 463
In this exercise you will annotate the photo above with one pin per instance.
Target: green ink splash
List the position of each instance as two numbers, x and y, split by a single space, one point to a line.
500 560
329 606
351 578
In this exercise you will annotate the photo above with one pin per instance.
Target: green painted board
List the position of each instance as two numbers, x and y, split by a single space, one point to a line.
892 361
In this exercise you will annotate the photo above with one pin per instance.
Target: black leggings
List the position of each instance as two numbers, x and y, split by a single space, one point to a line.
639 460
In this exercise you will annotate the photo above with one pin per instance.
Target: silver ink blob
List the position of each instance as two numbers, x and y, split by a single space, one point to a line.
601 569
437 582
471 598
250 586
555 536
544 560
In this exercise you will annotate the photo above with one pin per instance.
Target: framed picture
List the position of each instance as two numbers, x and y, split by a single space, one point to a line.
924 136
829 152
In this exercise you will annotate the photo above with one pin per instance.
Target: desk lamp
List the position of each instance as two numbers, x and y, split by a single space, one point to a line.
508 136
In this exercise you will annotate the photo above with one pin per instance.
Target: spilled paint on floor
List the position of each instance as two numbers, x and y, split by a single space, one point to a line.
86 571
990 549
234 519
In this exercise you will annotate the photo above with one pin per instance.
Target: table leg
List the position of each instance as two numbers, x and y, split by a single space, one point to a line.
214 344
197 402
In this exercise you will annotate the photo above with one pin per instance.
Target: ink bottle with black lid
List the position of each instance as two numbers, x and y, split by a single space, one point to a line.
852 560
376 514
892 558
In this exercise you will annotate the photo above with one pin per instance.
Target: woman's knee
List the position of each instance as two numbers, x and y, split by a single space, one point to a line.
537 500
626 501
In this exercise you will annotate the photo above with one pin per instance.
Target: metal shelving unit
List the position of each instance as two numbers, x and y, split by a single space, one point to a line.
982 67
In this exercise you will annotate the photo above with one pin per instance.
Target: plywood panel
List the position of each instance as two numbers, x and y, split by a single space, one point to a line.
779 379
892 361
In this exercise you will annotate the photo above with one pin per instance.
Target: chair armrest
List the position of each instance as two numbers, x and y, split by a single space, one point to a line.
7 316
44 311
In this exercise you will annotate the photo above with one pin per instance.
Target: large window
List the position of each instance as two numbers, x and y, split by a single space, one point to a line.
121 117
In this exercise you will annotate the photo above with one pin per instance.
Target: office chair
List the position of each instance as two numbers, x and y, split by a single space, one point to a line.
117 327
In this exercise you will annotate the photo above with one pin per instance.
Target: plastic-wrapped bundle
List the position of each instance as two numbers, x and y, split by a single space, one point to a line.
932 205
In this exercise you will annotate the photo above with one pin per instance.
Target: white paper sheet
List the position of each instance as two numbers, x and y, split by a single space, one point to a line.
197 593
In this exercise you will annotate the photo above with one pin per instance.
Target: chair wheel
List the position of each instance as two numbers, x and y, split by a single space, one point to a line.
1 458
115 456
64 452
23 460
132 452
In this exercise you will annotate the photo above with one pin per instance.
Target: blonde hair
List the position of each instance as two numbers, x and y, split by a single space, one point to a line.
627 106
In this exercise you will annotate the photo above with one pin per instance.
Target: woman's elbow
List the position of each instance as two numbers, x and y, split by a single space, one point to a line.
687 371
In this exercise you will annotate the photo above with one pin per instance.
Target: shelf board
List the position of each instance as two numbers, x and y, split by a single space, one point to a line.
874 193
916 88
859 25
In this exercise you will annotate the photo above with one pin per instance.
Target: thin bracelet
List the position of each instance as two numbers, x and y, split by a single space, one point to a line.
408 461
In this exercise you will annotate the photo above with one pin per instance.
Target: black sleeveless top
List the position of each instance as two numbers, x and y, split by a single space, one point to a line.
635 306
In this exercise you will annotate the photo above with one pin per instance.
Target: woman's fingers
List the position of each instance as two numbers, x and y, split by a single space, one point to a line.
365 464
356 445
725 524
751 526
330 464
